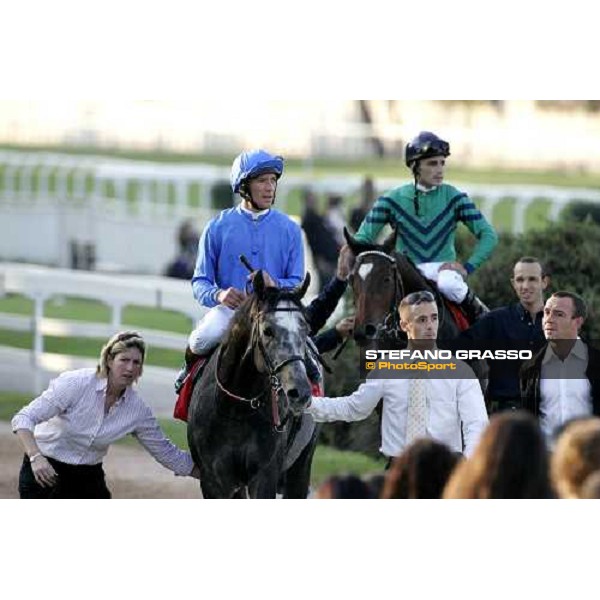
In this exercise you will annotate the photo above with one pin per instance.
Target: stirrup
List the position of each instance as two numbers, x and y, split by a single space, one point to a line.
183 373
474 308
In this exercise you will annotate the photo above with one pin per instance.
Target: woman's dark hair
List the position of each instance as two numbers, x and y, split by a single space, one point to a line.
510 461
421 471
576 456
344 486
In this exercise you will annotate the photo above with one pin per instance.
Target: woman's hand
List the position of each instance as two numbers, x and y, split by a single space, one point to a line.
44 472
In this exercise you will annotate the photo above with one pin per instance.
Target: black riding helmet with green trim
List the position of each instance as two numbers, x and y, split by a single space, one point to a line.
425 145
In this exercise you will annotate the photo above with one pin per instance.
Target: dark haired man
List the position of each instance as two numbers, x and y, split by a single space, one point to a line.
425 214
516 325
562 381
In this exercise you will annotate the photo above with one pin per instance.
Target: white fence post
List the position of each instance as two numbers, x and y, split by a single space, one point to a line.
38 336
117 315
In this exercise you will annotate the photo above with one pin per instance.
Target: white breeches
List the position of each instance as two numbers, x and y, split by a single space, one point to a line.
210 329
449 282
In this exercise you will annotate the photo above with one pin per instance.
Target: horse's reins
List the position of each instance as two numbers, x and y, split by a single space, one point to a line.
392 315
274 381
391 323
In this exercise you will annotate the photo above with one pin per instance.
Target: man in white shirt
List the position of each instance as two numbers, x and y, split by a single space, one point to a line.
452 408
561 382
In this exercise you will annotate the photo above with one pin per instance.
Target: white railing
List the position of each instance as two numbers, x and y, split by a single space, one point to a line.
29 371
63 328
116 291
26 178
52 203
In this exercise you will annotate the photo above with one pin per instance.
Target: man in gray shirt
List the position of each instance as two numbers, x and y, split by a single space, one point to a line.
562 381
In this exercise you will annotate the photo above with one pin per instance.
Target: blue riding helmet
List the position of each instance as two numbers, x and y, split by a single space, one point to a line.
252 164
425 145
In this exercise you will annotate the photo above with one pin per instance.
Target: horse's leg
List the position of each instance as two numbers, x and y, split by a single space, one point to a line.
297 477
216 483
210 487
264 484
263 488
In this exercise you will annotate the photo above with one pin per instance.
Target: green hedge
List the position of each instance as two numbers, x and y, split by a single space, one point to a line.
571 252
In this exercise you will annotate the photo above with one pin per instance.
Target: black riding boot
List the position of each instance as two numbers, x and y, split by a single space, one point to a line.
187 365
474 308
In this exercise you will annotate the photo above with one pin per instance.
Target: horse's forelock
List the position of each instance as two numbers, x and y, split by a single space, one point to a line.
276 295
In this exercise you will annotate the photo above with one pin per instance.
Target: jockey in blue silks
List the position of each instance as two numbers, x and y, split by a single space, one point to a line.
270 240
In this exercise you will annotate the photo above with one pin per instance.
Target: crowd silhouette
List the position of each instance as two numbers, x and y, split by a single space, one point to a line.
511 461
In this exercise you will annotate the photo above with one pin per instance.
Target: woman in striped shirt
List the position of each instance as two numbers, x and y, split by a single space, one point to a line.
66 432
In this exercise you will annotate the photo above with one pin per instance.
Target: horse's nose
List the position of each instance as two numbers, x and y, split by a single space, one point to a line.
298 396
297 400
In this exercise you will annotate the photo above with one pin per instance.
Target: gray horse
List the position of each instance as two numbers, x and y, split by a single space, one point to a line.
247 407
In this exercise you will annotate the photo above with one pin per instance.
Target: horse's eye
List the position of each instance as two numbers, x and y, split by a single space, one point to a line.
268 331
387 279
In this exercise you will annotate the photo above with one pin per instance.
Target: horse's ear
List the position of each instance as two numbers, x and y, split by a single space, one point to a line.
259 284
354 245
389 245
301 289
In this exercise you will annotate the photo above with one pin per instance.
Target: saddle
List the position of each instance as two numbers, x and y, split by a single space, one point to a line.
184 397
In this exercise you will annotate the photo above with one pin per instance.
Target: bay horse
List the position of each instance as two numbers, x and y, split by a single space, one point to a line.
381 277
248 403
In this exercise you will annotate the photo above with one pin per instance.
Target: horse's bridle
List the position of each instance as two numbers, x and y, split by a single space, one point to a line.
390 327
274 382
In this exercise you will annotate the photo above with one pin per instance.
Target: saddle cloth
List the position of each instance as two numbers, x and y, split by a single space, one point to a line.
459 316
185 394
455 310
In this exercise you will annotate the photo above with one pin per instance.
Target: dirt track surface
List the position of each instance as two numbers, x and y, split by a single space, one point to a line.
130 472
